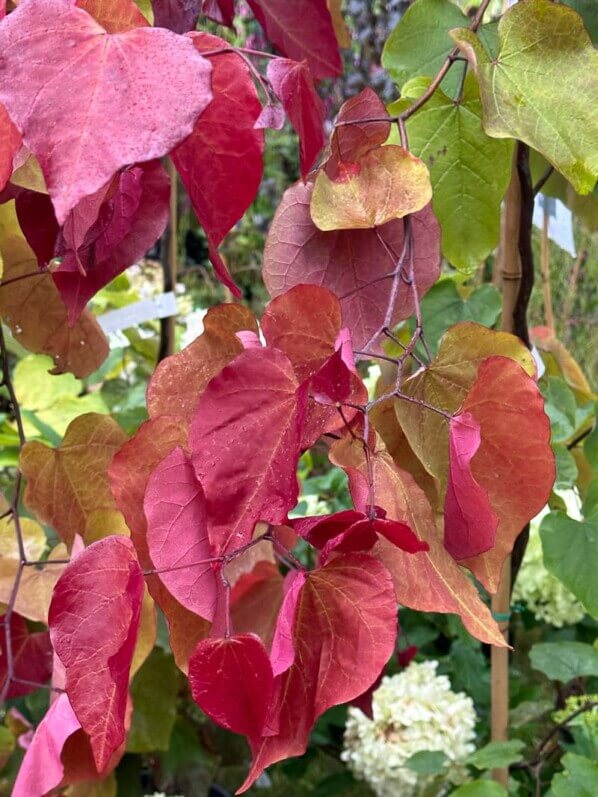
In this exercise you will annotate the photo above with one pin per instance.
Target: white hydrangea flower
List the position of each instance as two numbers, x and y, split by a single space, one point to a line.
544 595
413 711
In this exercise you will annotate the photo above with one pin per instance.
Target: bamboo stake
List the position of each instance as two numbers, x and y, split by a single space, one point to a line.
170 266
499 663
509 269
545 270
572 287
508 260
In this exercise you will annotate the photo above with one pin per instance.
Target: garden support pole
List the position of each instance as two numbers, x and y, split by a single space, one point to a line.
170 265
509 272
545 269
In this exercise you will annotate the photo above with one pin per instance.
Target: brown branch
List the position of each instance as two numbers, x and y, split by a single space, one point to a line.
524 244
14 513
38 273
543 751
169 266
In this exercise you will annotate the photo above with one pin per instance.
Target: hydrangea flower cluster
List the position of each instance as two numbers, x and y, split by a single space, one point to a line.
544 595
413 711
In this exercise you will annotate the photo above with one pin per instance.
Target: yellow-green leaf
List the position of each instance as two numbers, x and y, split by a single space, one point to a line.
541 87
66 485
36 585
444 385
387 183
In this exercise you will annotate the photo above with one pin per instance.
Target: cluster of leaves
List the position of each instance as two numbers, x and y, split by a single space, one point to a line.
189 514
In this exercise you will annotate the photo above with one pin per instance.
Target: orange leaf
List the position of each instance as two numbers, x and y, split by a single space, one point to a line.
514 463
387 183
444 385
559 361
116 16
129 474
429 581
179 380
36 584
341 31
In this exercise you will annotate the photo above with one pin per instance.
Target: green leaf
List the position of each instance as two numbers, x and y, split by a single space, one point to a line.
49 401
528 711
590 503
154 693
563 661
571 553
37 388
470 172
480 788
444 306
497 754
427 762
337 783
7 743
566 467
580 778
426 21
561 408
585 208
542 88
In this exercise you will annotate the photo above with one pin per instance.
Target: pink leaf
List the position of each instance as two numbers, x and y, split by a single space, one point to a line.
406 656
177 534
364 701
38 223
354 531
272 116
179 16
88 103
220 11
306 324
301 31
350 142
232 681
282 653
470 523
332 383
42 769
293 85
129 221
10 144
245 444
94 619
221 163
32 656
346 614
353 264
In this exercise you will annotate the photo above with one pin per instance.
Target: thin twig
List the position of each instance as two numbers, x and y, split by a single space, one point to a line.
40 272
400 119
543 180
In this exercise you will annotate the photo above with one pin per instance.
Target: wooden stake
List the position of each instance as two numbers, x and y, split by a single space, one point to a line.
545 270
499 663
170 265
572 288
507 259
509 269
